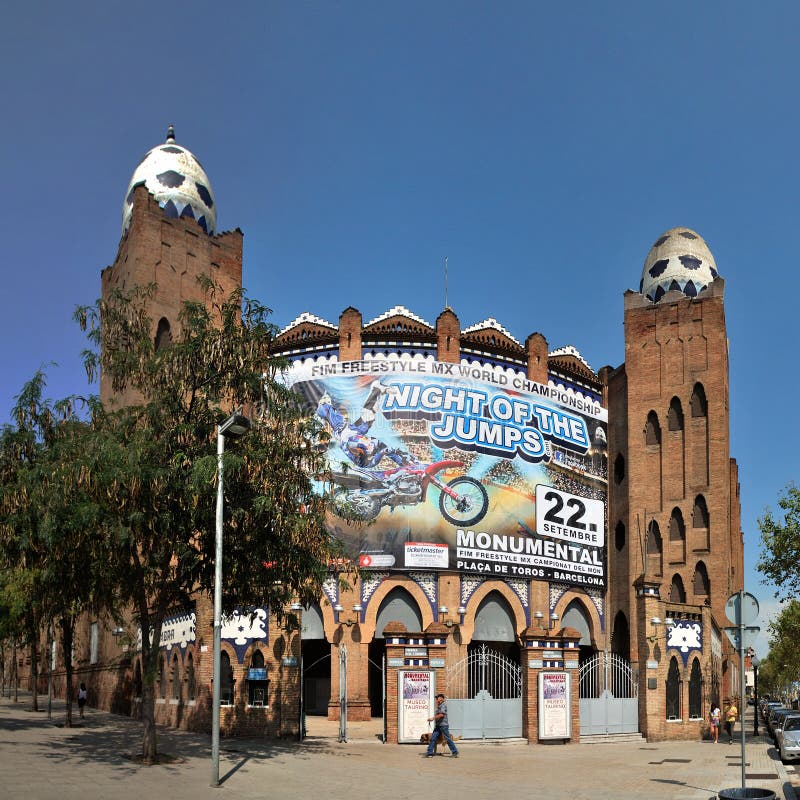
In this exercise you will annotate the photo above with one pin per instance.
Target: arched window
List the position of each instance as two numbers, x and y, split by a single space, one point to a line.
675 415
700 513
619 469
163 334
621 636
176 678
619 535
673 690
654 544
696 691
398 606
257 683
225 679
191 682
162 681
652 429
677 530
700 582
494 620
698 402
655 549
676 590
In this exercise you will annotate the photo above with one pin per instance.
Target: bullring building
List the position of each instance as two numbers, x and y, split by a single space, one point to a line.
550 544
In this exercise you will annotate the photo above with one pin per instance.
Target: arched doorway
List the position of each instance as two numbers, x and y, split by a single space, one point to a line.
485 688
607 689
316 660
397 606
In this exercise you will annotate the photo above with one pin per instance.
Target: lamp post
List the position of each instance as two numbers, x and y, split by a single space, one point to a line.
234 427
754 660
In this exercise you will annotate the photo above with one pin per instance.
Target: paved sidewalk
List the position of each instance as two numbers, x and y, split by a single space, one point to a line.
40 759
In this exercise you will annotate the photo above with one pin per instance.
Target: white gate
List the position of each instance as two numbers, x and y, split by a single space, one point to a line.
484 696
608 696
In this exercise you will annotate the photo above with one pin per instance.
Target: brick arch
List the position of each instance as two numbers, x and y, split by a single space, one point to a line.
479 595
588 606
379 595
256 645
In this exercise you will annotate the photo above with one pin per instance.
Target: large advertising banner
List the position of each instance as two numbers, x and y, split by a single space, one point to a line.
415 704
461 466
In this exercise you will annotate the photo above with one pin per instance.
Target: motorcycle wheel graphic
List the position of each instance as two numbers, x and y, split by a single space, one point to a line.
469 507
348 504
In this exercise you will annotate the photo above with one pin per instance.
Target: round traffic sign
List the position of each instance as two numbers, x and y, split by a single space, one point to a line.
741 608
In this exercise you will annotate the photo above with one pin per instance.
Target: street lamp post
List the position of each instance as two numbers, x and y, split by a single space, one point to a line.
234 427
754 661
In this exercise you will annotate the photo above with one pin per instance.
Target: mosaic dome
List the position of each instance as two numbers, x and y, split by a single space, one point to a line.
679 260
178 182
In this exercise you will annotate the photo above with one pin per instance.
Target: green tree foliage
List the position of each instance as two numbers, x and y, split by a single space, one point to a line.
55 559
156 481
780 555
783 662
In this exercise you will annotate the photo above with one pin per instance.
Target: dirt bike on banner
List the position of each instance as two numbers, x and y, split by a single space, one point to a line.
360 492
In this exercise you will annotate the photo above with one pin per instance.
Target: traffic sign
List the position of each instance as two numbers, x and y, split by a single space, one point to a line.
750 632
741 608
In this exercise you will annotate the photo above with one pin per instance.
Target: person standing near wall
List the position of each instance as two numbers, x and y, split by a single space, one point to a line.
83 694
731 715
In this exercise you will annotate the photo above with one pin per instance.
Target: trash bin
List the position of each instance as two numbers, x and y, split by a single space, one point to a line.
748 793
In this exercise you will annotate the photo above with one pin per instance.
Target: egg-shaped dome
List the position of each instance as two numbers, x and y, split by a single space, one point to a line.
178 182
679 260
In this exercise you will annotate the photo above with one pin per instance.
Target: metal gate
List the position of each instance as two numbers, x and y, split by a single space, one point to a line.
485 696
608 696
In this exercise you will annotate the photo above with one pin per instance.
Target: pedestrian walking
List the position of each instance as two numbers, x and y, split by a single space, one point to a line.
441 727
731 715
716 716
82 696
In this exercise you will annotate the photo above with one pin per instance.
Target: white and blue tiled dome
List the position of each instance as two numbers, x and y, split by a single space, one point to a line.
679 260
178 182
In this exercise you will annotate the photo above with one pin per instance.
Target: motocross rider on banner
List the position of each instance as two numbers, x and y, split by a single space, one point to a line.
362 450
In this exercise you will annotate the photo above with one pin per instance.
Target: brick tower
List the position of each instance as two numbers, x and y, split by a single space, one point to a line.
674 515
169 239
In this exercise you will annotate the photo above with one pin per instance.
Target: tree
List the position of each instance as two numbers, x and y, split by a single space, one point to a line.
781 545
56 565
156 480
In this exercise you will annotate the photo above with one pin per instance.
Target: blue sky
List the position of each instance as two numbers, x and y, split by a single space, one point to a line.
541 147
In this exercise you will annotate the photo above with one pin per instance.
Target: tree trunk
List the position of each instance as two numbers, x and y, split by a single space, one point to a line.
34 639
150 665
66 641
16 673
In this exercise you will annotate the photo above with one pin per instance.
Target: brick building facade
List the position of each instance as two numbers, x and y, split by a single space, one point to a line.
673 545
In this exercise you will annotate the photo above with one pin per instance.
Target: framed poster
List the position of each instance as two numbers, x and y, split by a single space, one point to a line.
414 703
555 718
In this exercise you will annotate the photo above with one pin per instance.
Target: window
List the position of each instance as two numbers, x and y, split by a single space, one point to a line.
696 691
700 513
677 530
176 678
93 643
619 469
191 686
225 680
653 539
673 690
698 402
163 334
257 683
619 535
700 583
652 430
675 415
676 591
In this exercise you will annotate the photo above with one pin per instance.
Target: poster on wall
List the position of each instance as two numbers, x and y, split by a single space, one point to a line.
414 703
460 466
554 705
